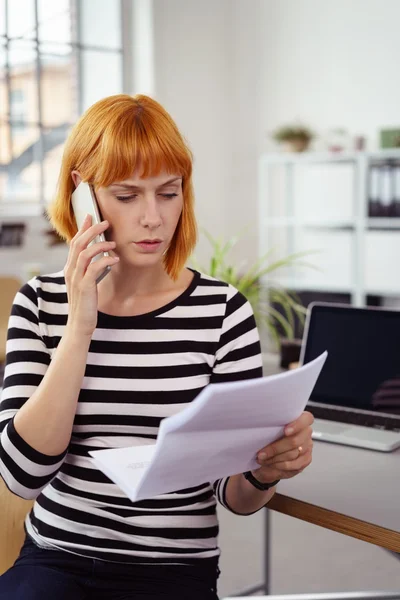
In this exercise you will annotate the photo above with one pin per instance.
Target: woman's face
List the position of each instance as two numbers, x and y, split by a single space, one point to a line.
143 215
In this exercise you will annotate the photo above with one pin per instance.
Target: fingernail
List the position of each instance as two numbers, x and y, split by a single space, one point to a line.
289 431
116 258
262 456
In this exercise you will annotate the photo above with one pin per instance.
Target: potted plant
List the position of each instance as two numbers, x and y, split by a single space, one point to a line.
274 307
295 138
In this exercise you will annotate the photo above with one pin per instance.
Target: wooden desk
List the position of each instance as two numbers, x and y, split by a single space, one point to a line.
350 490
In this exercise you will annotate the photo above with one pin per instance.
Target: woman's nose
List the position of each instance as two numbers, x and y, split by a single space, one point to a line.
151 214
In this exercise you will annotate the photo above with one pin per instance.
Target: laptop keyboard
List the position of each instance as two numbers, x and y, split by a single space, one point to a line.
343 415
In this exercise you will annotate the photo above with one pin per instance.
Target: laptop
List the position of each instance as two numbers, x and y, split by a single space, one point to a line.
356 400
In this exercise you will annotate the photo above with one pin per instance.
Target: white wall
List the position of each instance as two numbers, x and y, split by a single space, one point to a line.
231 71
331 63
193 80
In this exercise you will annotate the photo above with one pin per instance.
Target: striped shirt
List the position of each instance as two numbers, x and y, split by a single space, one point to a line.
139 370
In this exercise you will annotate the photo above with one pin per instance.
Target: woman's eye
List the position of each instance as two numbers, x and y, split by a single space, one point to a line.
169 196
126 198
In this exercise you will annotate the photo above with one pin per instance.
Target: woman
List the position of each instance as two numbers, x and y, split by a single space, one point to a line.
98 366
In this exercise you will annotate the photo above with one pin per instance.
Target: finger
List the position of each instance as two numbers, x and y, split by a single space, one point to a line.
97 267
285 444
300 463
289 455
305 420
86 256
82 240
87 221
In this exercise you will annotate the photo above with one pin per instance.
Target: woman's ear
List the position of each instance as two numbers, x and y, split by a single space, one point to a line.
76 177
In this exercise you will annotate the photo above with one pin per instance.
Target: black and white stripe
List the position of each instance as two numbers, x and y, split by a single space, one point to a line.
139 370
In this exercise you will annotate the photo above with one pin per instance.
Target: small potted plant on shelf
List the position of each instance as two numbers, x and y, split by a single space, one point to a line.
294 138
274 307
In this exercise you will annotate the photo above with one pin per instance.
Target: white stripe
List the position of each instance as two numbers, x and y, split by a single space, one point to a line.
142 410
205 290
237 317
111 489
194 312
26 345
150 521
146 360
15 486
23 323
49 543
18 391
110 534
249 337
145 385
53 308
25 367
236 366
133 431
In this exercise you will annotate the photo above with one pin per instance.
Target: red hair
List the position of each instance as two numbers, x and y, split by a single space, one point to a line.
109 142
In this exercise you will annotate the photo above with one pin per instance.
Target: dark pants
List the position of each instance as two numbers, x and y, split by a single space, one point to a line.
40 574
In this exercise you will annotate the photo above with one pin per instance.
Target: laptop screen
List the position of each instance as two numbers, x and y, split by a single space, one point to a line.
363 365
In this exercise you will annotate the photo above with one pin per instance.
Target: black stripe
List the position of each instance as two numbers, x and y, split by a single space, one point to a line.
56 534
149 373
29 292
22 379
239 376
51 319
236 302
210 300
127 397
115 420
154 505
30 453
34 356
146 323
241 353
22 477
14 333
52 279
21 311
172 347
104 522
56 297
238 330
211 283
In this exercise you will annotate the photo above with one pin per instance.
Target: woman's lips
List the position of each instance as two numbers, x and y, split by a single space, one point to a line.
149 246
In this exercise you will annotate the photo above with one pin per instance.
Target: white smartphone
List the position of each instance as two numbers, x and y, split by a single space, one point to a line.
84 203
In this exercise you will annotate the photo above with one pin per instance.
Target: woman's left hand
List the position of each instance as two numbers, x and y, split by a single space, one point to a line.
289 455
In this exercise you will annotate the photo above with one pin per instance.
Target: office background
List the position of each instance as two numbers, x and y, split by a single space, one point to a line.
230 72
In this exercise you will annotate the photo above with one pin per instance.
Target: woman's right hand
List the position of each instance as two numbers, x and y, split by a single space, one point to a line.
81 274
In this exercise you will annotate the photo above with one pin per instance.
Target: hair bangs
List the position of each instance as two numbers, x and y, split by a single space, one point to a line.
143 145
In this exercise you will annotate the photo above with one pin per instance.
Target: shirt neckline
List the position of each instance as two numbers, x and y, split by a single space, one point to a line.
104 317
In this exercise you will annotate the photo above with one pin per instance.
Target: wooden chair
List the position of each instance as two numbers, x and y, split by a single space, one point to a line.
9 286
13 511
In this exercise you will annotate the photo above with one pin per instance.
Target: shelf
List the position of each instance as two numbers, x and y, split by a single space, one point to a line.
311 286
383 223
311 223
327 157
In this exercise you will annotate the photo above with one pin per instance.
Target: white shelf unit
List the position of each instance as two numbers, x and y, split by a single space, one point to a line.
357 255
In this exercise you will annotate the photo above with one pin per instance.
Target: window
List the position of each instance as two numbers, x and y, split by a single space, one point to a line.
56 59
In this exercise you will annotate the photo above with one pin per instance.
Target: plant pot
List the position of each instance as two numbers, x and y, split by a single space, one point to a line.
290 352
296 145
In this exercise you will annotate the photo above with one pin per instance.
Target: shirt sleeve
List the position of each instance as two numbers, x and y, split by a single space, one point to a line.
238 357
25 470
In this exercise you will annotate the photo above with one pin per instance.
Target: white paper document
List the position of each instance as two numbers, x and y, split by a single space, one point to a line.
218 434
